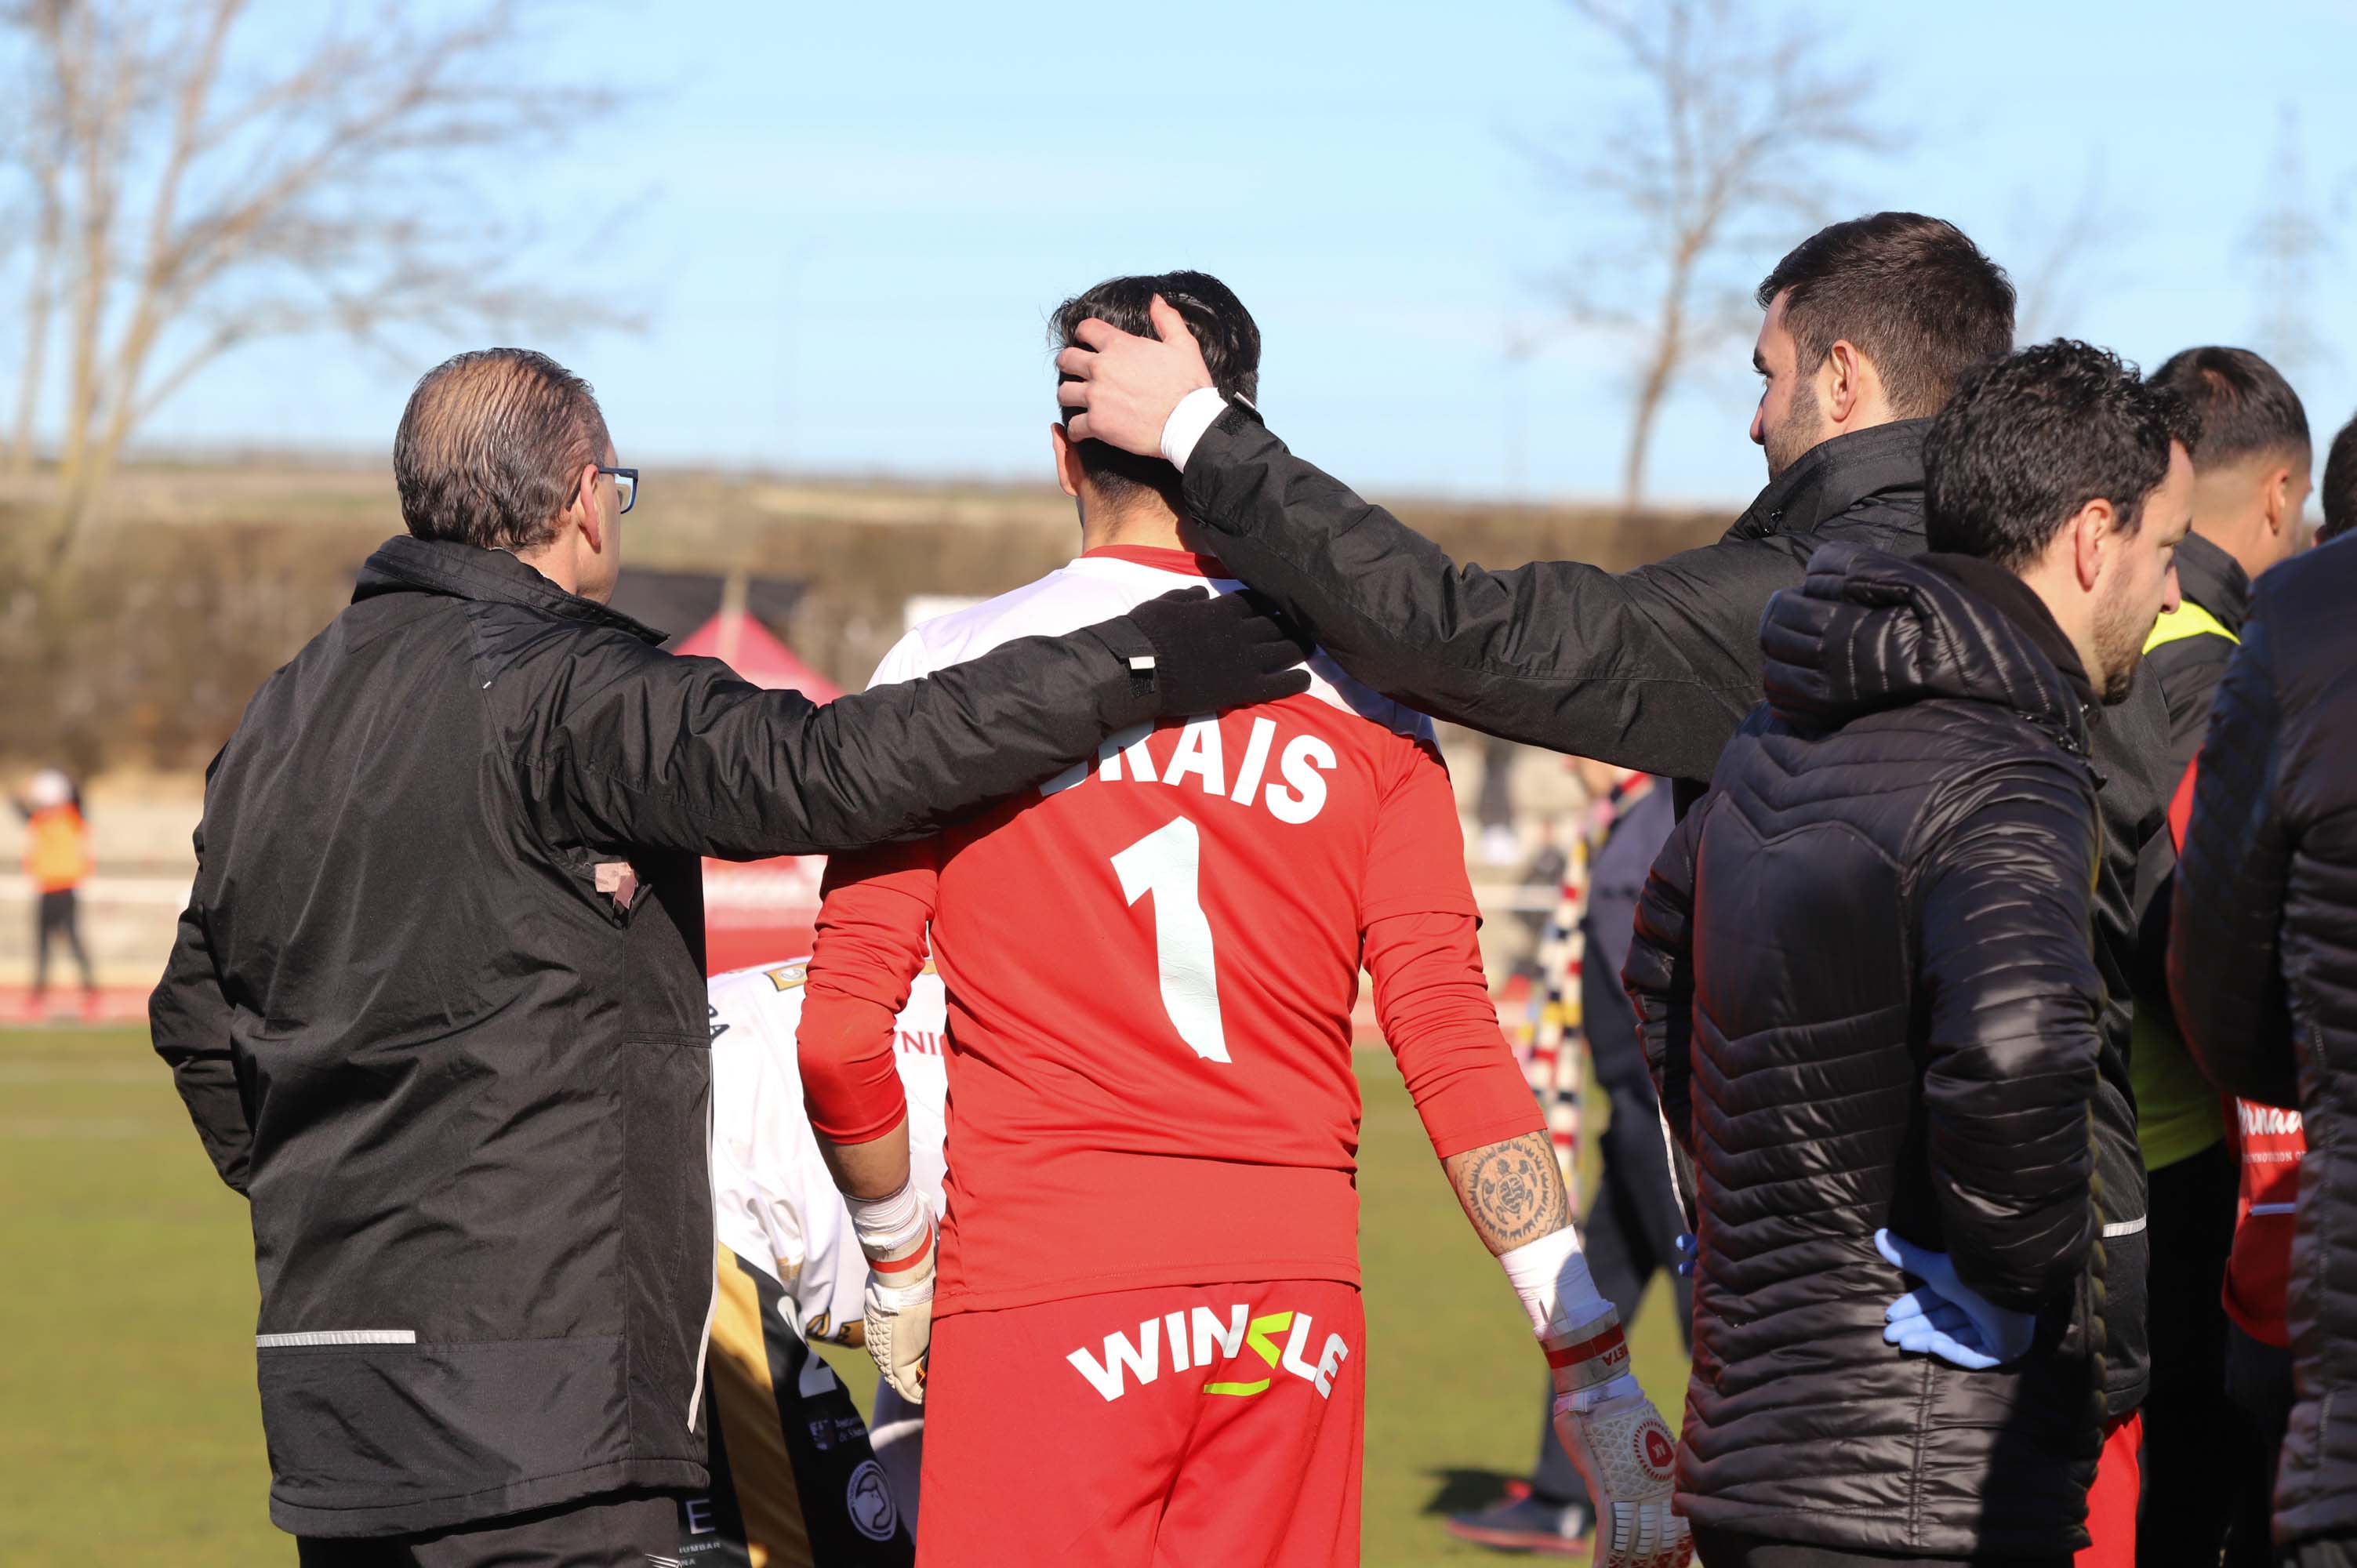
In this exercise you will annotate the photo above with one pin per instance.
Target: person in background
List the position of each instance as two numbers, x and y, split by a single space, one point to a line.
2263 966
1631 1228
1866 975
2251 485
58 859
2340 496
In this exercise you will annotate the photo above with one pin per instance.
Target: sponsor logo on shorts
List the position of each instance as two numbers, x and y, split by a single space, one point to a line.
868 1500
1201 1340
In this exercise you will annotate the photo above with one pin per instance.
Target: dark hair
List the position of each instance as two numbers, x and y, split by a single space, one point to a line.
2247 409
1915 295
490 446
2340 485
1223 328
2029 439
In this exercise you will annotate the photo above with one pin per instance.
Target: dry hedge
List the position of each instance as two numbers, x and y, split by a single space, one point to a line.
145 651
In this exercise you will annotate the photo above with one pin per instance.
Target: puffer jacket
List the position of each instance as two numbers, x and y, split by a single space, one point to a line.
1656 668
2263 963
1863 967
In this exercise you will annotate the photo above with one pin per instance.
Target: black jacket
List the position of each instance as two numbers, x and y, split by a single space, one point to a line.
2263 961
1615 880
1655 668
2185 658
1865 973
465 1084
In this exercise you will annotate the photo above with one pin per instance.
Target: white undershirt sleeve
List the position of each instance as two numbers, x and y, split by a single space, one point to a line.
1187 423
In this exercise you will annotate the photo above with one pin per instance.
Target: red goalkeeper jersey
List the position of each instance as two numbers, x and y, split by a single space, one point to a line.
1151 963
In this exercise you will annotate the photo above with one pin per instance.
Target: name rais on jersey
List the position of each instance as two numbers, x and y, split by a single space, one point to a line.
1295 794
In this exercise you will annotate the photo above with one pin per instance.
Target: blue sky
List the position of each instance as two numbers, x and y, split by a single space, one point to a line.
845 225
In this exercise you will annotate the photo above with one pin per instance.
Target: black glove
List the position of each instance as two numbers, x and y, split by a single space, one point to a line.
1216 653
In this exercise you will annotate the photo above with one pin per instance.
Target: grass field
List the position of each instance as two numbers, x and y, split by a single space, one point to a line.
128 1424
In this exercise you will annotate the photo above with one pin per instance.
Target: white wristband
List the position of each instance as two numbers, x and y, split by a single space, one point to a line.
1187 423
1551 1276
888 1225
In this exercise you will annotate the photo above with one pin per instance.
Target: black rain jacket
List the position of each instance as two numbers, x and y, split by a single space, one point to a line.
1654 669
1865 974
437 1009
2263 961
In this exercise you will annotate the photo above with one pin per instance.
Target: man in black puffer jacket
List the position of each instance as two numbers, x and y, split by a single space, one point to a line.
2263 963
1864 969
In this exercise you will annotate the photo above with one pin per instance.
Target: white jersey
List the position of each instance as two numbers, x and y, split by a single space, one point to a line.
775 1204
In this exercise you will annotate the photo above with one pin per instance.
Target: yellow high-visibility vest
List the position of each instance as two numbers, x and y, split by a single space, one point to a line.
2188 619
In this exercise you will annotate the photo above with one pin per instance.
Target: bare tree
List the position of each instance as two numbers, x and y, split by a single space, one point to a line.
1730 130
196 183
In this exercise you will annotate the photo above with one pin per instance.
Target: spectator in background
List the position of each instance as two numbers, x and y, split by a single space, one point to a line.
58 859
2339 496
1865 973
2251 485
2263 965
1631 1228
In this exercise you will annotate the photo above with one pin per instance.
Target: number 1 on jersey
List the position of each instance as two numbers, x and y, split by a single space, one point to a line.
1168 863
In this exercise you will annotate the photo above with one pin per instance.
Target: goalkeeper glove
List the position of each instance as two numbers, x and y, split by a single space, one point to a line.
1610 1431
898 1235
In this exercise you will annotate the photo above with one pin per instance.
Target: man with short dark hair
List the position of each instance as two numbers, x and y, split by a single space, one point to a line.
2251 485
1867 322
437 1004
1147 1344
1654 669
1865 973
2340 496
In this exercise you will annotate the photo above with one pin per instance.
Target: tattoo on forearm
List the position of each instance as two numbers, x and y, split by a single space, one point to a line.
1512 1192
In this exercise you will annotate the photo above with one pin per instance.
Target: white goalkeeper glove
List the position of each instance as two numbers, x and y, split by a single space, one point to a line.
1610 1431
900 1322
898 1235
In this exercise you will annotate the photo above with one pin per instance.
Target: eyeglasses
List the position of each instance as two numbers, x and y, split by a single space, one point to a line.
626 484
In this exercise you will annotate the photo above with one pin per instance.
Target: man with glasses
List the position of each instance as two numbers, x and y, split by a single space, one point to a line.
437 1003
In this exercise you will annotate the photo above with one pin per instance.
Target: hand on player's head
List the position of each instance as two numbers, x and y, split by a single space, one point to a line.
1126 385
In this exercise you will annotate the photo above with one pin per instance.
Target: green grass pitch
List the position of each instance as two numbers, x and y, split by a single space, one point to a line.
131 1432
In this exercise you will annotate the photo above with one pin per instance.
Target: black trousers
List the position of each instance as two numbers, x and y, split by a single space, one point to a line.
2258 1386
1717 1549
58 918
1630 1235
2189 1496
621 1530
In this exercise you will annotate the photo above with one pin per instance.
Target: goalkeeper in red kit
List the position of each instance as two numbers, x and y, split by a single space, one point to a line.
1137 1326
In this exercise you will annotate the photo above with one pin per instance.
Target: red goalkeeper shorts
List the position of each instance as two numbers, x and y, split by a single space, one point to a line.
1180 1425
2112 1501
